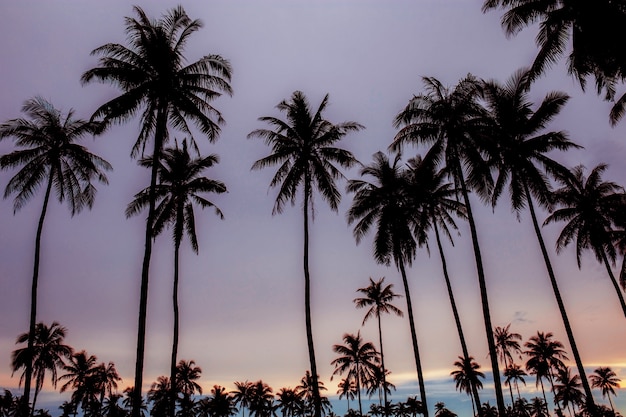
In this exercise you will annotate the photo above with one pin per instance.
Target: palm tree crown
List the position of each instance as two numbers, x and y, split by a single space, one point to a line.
605 379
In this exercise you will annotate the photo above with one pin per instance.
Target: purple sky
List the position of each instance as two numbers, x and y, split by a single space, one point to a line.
242 297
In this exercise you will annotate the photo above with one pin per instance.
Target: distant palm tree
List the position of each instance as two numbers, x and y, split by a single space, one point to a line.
159 395
378 298
303 148
507 342
347 388
467 376
80 369
49 156
290 402
181 184
262 400
442 411
379 384
112 408
538 407
381 200
453 122
242 395
588 205
47 354
153 74
305 388
605 379
568 389
106 377
595 29
356 358
414 406
545 356
219 403
515 373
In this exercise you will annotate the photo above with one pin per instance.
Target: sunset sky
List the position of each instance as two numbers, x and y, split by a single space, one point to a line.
242 297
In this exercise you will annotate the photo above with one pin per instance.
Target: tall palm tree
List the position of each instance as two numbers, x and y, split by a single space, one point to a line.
454 122
588 205
378 298
356 358
347 388
595 29
433 200
605 379
381 200
49 156
47 354
181 184
545 356
467 376
519 152
506 343
154 76
303 148
515 373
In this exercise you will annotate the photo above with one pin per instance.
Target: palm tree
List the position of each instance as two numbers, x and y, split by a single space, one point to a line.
47 354
518 152
262 400
218 404
595 29
567 389
79 370
181 184
378 298
605 379
451 121
242 396
106 376
303 149
588 205
159 395
442 411
467 376
153 74
111 406
545 356
290 402
515 373
49 155
507 342
347 388
306 390
538 407
434 200
383 202
358 359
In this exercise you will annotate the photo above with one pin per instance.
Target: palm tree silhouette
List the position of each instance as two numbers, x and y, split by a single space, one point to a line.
181 184
433 201
242 395
588 205
545 356
262 400
383 202
358 359
519 153
49 155
306 389
454 122
567 389
507 342
154 76
514 372
218 404
290 402
159 396
378 298
303 149
605 379
47 354
466 377
595 30
347 388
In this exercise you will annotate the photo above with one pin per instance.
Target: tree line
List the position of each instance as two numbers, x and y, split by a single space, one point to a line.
478 136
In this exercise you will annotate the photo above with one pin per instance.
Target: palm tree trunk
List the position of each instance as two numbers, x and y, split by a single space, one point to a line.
416 352
614 281
358 387
159 136
307 302
32 410
457 318
382 363
28 373
172 410
483 295
557 294
506 366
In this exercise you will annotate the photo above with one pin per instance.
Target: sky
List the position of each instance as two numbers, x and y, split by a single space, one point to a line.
242 297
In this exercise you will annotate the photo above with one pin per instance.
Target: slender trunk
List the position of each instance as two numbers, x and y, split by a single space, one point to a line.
307 303
506 366
174 360
614 281
483 295
159 136
28 373
457 318
551 379
382 363
32 410
557 294
611 402
358 387
545 400
416 352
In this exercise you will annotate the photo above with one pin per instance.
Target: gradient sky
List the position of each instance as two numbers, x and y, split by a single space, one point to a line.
242 296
